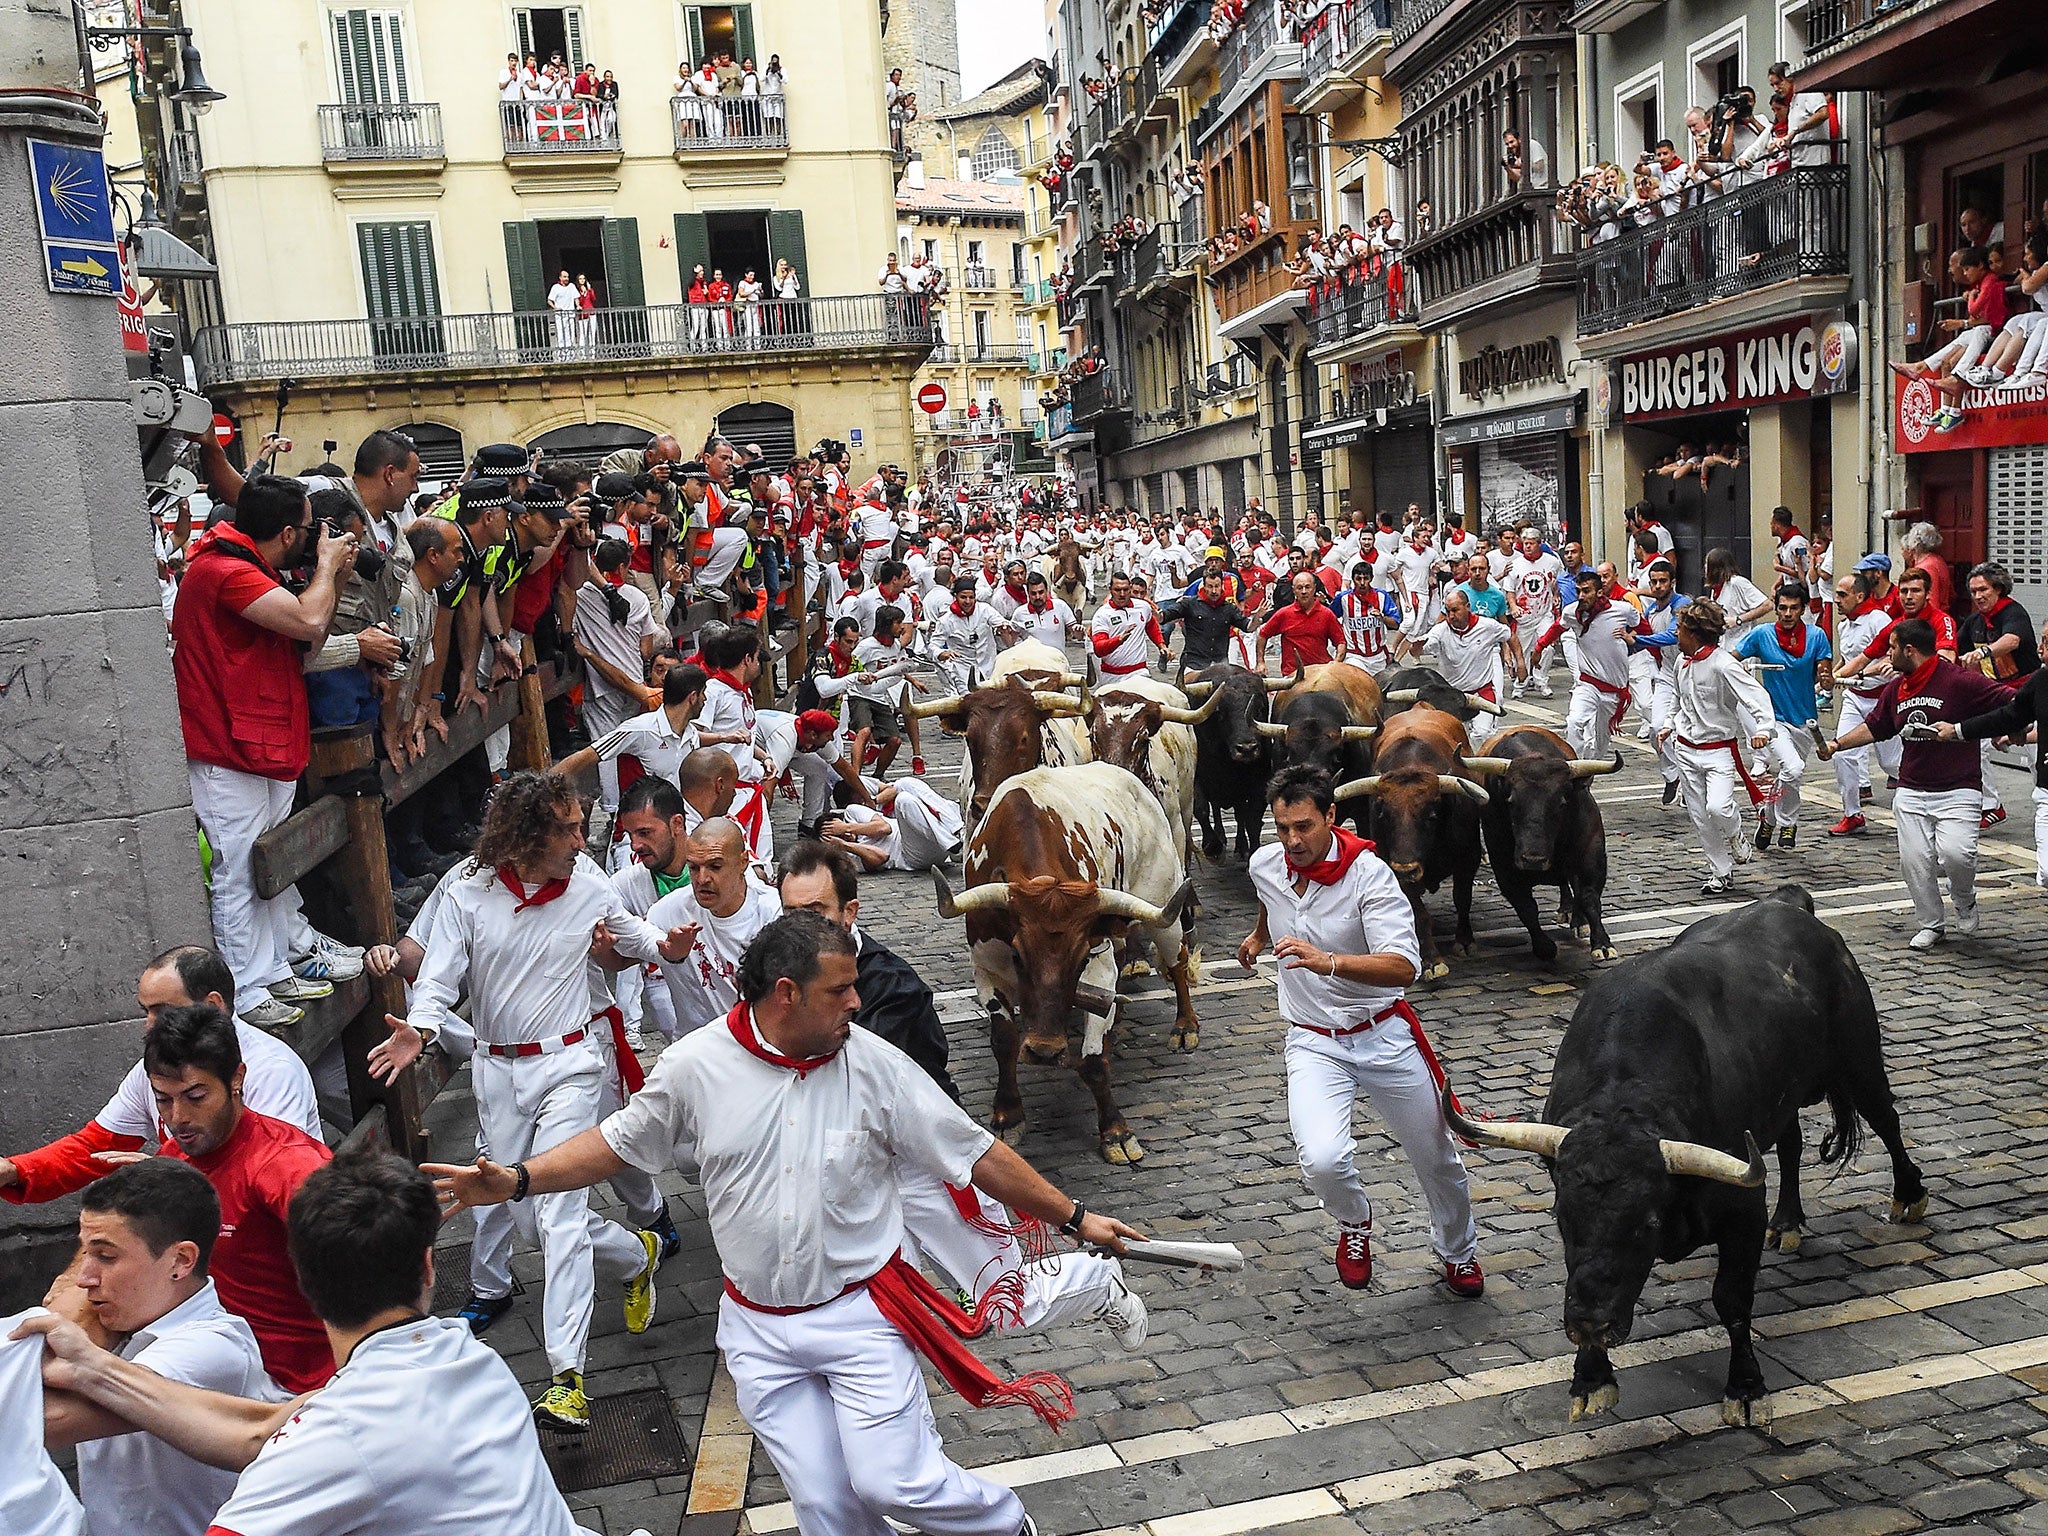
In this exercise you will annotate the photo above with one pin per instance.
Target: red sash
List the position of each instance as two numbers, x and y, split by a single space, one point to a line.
1619 692
631 1078
1734 749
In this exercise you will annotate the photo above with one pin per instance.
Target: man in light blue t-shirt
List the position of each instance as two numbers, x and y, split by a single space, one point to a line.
1801 664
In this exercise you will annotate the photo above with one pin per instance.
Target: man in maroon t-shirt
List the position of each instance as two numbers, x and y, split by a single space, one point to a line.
255 1165
1937 805
239 639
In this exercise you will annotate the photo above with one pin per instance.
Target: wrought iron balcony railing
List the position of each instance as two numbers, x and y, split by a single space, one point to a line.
709 125
382 130
557 128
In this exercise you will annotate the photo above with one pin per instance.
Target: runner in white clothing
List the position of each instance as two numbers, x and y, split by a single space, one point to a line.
797 1120
1605 630
1121 630
964 638
721 908
1415 563
1346 952
1469 651
1719 707
1531 586
910 826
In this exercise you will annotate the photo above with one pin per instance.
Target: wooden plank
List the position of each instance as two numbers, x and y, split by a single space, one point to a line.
342 751
466 732
366 872
370 1131
324 1020
299 844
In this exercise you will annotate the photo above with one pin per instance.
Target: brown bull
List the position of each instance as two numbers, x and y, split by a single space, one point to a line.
1425 817
1354 685
1010 729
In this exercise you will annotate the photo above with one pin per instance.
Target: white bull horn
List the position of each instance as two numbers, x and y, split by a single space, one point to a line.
1513 1135
1360 732
1696 1161
1056 703
1369 785
1592 770
980 898
1181 716
1481 705
1269 728
1073 680
1198 690
1403 696
1452 784
1485 765
924 709
1143 913
1279 684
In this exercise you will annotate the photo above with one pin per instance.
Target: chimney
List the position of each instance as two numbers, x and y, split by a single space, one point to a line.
913 173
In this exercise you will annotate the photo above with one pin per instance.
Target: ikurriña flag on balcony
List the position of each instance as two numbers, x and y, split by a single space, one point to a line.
560 122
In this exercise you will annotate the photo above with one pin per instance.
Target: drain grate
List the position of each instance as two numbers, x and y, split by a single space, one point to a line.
632 1435
451 1279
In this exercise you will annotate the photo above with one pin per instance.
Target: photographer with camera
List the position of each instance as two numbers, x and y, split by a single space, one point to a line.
239 634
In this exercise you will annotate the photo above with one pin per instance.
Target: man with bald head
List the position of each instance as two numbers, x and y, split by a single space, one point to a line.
722 908
711 787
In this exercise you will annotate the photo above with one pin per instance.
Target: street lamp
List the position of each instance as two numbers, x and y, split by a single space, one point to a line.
193 91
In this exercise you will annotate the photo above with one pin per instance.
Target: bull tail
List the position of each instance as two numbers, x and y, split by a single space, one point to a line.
1845 1138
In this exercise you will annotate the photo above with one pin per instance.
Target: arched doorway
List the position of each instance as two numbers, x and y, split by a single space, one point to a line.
587 442
440 449
757 421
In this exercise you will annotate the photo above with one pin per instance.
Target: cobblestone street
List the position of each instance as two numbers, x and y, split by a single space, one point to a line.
1909 1364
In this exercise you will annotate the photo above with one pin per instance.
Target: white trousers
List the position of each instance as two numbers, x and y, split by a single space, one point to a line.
1710 784
525 1105
252 933
643 1003
727 545
836 1397
1324 1080
1664 710
1989 793
1642 682
1786 756
1852 764
1938 836
1527 627
2041 837
602 714
1586 718
871 559
1056 1290
816 774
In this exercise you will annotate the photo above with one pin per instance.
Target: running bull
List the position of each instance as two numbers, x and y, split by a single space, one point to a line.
1673 1058
1543 827
1009 728
1067 862
1325 717
1232 759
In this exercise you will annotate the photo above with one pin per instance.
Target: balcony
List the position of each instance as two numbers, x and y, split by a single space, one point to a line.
1783 229
1260 49
1250 285
1232 376
1411 16
1172 417
1340 312
1046 362
1001 357
381 135
1180 41
1348 44
1190 234
569 133
1059 423
1090 268
978 279
187 169
1502 253
726 125
1097 395
1880 45
493 343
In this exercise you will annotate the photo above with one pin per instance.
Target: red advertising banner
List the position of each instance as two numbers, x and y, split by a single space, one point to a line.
1992 418
1794 359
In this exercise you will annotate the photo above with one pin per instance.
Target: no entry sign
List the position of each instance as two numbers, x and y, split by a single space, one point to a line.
932 399
223 431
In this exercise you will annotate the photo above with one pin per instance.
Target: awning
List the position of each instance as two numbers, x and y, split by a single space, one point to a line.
1272 312
163 254
1558 416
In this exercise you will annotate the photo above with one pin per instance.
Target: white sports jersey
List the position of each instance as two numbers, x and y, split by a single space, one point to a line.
1127 626
702 985
1603 644
1049 626
1414 565
277 1084
1365 626
1532 585
1467 655
652 741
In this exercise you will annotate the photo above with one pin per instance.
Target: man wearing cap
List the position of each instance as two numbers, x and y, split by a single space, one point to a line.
715 550
533 530
822 763
964 638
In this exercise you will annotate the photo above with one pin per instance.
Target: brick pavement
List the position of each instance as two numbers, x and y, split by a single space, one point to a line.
1403 1409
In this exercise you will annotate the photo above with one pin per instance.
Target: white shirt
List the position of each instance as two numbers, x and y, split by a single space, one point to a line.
1791 552
1532 584
1414 566
1813 146
1852 638
760 839
799 1172
893 282
1364 912
525 971
1467 658
924 831
703 985
1365 624
1603 644
34 1499
135 1484
562 297
659 747
730 710
881 667
1049 627
618 644
1738 595
1718 700
972 637
508 85
424 1429
1128 626
277 1084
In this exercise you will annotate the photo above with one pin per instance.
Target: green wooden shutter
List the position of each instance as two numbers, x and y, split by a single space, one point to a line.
786 242
623 286
693 34
572 25
522 28
693 246
743 34
399 282
522 268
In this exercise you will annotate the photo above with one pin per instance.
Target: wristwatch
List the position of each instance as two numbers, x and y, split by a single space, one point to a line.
1072 1225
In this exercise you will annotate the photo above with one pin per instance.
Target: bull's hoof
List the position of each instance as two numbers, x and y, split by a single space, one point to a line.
1137 968
1212 849
1545 949
1122 1149
1581 934
1607 952
1186 1037
1784 1239
1564 918
1752 1414
1903 1213
1594 1403
1011 1134
1436 970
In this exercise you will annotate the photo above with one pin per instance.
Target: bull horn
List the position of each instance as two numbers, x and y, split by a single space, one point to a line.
924 709
1369 785
1696 1161
1479 704
1592 770
1360 732
979 898
1197 690
1453 784
1052 703
1124 904
1073 680
1485 765
1403 696
1278 684
1511 1135
1181 716
1269 728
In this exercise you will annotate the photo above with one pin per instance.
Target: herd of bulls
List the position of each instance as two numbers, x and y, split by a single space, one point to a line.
1083 800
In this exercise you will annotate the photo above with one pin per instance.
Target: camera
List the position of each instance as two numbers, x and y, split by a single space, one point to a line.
1724 115
370 562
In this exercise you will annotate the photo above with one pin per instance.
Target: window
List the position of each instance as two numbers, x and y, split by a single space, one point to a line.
1023 333
994 155
981 341
1638 114
974 254
401 291
1717 63
731 242
931 251
709 30
548 30
1792 17
369 56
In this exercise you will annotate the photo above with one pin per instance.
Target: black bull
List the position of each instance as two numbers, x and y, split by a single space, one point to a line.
1542 826
1232 760
1672 1059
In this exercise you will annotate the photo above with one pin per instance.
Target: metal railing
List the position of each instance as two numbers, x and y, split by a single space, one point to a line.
1149 259
444 343
1828 22
1342 30
1191 232
1096 394
705 125
973 353
1340 310
382 130
1411 16
1787 226
1255 36
187 169
1089 264
978 279
1519 231
557 127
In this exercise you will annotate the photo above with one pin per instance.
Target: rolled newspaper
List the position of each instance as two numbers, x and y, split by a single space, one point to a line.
1215 1257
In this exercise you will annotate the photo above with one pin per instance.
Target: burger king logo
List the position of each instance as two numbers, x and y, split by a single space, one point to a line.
1916 411
1837 351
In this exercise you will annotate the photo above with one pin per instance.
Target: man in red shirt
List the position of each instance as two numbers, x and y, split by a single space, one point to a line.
239 637
255 1165
1916 601
1922 548
1307 629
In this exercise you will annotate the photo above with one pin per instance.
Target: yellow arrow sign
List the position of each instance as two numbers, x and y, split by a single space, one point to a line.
90 267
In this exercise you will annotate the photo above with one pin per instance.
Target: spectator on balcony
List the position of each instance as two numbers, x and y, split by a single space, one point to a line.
2018 358
562 299
583 91
586 314
774 91
704 114
1973 333
1524 161
1807 125
608 106
747 299
510 79
728 74
721 306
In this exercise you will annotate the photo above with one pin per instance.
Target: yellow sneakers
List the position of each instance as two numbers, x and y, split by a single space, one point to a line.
563 1405
640 1289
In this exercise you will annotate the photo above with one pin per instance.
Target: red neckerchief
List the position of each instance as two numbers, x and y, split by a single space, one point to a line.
1793 647
1016 593
720 675
1213 602
842 662
1036 607
1701 654
540 896
847 568
1868 605
955 607
1919 677
1418 548
1469 624
1345 847
2002 604
741 1022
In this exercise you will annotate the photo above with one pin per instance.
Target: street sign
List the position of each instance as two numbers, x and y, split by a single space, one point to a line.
75 209
932 399
853 438
223 431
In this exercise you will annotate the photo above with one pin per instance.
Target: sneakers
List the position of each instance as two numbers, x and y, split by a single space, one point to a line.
482 1311
1670 790
1643 731
1354 1256
917 767
1742 848
1891 781
671 1240
1542 689
640 1291
1991 818
1123 1314
2033 379
1947 419
1865 795
1926 938
1982 376
1715 885
563 1405
301 989
1787 837
330 960
1763 835
1851 825
1465 1280
1964 923
635 1041
269 1013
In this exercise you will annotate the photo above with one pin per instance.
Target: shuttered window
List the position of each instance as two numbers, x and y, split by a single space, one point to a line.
572 32
369 56
399 282
786 242
2016 530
